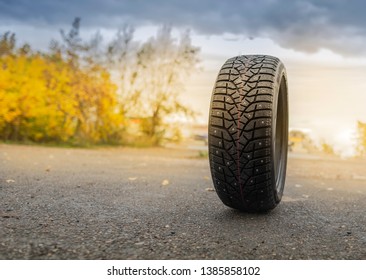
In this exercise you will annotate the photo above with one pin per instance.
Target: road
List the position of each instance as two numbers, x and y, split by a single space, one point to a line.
124 203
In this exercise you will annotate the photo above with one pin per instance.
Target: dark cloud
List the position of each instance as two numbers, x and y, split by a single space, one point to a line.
338 25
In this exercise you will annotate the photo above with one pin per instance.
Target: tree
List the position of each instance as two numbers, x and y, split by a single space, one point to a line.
7 43
96 114
300 141
152 77
63 95
361 138
67 94
327 149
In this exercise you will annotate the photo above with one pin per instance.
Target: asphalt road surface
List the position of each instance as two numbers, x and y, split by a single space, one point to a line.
123 203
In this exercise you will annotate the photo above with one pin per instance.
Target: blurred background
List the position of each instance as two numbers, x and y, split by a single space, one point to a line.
140 73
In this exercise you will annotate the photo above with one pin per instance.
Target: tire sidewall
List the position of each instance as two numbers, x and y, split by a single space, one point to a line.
280 75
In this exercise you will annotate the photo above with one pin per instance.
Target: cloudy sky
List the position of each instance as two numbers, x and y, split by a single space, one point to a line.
322 44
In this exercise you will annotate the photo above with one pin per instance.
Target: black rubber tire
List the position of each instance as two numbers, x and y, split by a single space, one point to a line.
248 132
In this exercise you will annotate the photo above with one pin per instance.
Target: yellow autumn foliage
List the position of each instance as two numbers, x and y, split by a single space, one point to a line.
46 99
66 94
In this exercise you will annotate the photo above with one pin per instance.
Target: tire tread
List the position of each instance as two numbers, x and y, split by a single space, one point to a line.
240 132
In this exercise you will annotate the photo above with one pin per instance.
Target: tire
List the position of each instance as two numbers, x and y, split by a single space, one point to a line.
248 132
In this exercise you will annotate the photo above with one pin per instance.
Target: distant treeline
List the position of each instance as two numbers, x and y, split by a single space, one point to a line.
82 92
